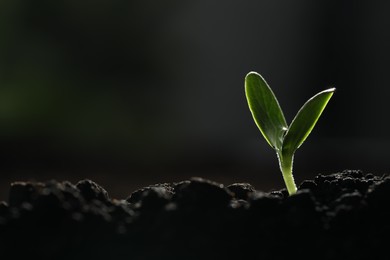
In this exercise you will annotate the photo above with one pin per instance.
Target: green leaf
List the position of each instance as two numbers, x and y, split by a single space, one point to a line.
305 120
265 110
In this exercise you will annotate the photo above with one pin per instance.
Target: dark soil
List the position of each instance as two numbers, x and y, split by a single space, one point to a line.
338 216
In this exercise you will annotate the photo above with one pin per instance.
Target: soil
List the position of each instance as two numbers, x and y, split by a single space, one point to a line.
337 216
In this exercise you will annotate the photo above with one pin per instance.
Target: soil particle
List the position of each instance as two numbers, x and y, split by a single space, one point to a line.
202 193
241 190
336 216
90 190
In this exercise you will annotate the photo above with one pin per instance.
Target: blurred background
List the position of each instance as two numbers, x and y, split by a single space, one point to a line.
137 92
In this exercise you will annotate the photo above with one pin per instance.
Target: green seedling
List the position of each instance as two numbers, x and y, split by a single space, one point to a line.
269 118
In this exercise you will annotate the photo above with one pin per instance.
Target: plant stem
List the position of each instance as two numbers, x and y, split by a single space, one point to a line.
286 166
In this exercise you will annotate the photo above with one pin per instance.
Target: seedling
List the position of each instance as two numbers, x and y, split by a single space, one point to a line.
269 118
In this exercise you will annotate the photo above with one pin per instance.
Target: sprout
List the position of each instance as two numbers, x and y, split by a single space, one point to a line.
269 118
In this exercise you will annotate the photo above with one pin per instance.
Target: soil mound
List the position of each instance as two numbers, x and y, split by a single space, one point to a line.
338 216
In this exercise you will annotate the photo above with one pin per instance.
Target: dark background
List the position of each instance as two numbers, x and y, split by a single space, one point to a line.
131 93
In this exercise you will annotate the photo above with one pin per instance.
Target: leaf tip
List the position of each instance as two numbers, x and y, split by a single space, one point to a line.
251 73
330 90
